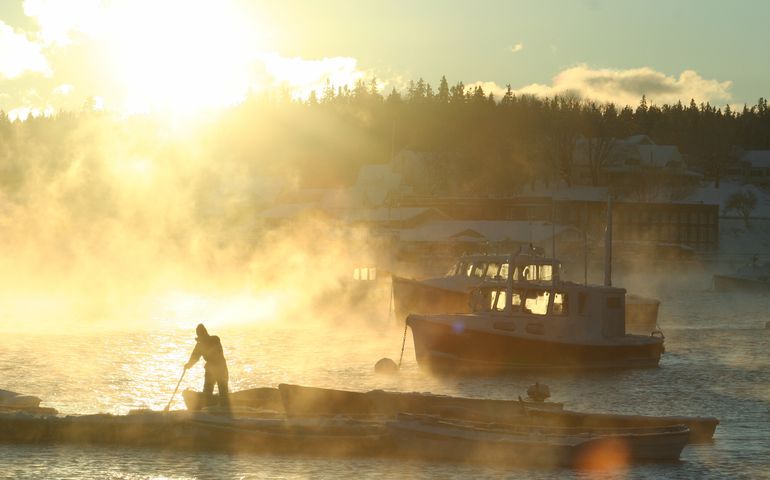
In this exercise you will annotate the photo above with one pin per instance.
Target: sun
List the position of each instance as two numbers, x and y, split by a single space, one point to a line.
180 56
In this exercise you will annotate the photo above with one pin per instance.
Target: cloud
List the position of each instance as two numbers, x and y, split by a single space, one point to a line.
59 20
626 87
63 89
303 76
174 55
19 55
488 87
517 48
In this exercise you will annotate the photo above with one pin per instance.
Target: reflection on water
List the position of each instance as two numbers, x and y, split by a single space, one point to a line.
716 364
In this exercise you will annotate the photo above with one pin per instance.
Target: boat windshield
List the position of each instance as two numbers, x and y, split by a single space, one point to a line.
484 300
536 301
533 273
497 271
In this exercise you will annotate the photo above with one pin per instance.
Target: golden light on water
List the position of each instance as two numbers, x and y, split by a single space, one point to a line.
184 309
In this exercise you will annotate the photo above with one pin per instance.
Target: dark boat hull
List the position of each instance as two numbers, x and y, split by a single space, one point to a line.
730 283
314 402
448 349
414 296
521 445
264 398
328 437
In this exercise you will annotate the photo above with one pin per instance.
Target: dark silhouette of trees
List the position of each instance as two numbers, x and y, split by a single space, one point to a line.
476 143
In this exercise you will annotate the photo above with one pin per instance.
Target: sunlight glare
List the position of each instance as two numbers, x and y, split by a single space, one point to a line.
181 56
189 308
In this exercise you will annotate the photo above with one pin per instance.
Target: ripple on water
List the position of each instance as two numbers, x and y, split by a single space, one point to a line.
716 364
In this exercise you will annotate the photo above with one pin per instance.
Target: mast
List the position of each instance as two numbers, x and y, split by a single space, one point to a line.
608 245
554 268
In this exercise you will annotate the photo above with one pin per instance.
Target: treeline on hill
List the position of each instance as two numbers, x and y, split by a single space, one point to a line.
475 143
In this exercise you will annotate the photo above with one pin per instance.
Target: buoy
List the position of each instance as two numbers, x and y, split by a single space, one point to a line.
386 366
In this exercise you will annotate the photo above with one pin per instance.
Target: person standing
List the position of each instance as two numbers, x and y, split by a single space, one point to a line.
210 348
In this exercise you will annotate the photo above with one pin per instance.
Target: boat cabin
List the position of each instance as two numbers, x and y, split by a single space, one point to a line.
497 267
536 301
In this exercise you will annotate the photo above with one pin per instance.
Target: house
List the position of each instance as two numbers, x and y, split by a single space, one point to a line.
755 166
633 161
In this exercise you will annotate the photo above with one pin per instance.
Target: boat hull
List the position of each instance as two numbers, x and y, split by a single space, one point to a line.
414 296
264 398
733 283
436 439
445 348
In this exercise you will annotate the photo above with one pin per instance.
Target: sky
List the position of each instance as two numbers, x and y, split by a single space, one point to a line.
189 56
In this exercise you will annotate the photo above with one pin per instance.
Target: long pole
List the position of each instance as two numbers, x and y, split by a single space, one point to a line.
175 390
608 246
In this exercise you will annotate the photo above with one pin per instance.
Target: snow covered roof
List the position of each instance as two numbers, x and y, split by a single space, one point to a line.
640 139
483 231
757 158
396 214
659 156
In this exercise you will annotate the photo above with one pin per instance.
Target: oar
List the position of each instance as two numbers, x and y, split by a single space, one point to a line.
175 390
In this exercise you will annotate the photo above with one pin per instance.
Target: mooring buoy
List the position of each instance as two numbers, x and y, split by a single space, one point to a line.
386 366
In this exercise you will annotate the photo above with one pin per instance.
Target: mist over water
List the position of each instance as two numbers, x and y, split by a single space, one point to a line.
716 364
110 260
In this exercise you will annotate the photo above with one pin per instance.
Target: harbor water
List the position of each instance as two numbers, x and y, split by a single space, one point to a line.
717 363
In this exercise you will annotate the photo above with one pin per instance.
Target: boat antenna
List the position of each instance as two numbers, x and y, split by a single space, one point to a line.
608 245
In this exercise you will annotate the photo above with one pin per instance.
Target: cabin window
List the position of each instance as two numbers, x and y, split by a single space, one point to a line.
582 303
493 271
529 272
536 302
467 270
613 302
545 273
560 305
504 271
365 273
478 270
501 300
537 272
516 299
454 270
482 300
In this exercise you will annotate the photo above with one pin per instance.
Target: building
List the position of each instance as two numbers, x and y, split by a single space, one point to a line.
693 226
636 162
